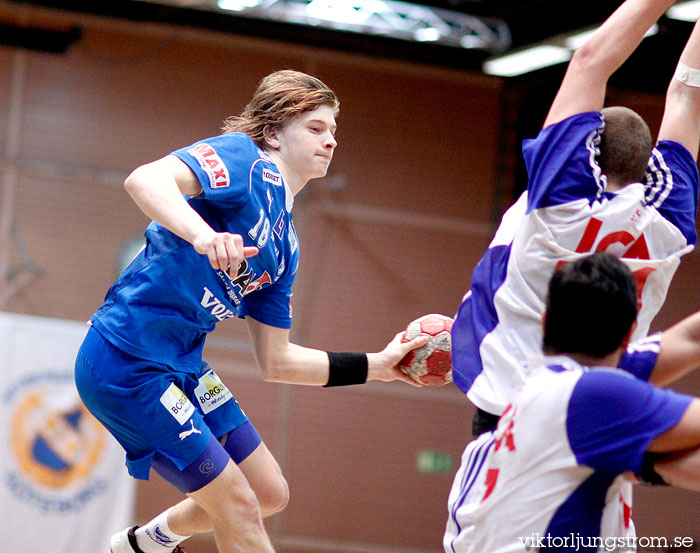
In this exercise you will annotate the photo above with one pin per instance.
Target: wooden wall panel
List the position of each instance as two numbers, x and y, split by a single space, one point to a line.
5 72
404 138
373 278
125 106
68 225
391 233
683 296
352 464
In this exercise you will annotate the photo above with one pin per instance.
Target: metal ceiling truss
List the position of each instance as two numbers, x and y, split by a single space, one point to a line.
401 20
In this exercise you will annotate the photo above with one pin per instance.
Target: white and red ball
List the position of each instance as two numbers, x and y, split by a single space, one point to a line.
430 364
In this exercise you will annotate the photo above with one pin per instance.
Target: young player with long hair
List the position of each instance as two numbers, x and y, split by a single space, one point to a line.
222 244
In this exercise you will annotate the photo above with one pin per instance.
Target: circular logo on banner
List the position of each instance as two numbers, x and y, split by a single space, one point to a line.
55 440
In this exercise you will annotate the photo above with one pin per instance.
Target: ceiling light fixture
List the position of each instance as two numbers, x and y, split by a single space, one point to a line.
558 49
685 11
237 5
525 61
389 18
575 41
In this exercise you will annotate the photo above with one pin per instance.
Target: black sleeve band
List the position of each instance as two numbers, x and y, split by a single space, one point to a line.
345 368
648 475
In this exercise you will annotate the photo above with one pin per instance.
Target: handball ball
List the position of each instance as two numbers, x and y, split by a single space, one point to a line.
430 364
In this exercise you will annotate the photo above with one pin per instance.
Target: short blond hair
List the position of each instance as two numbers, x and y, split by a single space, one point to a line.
279 97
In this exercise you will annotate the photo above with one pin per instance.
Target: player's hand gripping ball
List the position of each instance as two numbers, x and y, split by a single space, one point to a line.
430 364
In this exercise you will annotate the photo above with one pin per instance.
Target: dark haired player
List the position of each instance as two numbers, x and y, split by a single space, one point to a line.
550 493
594 184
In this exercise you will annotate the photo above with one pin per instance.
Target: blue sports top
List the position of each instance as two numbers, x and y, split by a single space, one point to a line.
167 300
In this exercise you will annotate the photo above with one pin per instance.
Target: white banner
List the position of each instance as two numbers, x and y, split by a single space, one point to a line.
64 485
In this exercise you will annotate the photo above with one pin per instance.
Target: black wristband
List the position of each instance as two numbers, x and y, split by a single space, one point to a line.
648 475
345 368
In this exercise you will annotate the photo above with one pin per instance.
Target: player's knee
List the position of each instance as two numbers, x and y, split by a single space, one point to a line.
241 504
275 497
229 500
283 495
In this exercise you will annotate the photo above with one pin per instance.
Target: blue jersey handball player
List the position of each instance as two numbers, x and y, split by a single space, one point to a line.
222 244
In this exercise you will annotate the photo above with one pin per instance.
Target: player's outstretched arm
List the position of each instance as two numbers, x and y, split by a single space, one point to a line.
384 363
584 85
679 351
681 470
684 436
681 119
158 188
680 466
282 361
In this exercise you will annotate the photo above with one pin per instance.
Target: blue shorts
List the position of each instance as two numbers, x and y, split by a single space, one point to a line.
163 417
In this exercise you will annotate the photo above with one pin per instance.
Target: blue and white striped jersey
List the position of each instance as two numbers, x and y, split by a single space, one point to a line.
562 493
567 213
470 482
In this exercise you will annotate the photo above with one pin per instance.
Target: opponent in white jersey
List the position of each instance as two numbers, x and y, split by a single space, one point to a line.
577 424
591 187
222 244
578 201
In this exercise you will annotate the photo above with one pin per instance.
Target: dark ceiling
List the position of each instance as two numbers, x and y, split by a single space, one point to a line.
534 20
529 21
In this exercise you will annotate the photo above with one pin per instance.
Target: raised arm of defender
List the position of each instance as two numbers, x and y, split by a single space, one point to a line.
584 85
681 120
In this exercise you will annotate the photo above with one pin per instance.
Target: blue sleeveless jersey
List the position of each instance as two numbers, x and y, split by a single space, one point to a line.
167 300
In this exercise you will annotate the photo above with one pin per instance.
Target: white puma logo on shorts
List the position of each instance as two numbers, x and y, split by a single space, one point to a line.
186 433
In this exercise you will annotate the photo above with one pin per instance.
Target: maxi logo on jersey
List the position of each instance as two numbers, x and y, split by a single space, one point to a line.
212 164
244 283
257 283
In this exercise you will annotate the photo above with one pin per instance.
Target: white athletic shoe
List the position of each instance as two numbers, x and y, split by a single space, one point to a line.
124 541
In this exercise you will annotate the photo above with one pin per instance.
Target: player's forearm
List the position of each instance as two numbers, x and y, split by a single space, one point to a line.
608 48
160 199
296 365
301 365
681 120
583 87
680 351
682 471
691 53
282 361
